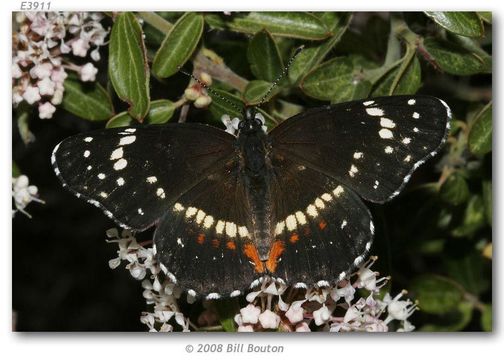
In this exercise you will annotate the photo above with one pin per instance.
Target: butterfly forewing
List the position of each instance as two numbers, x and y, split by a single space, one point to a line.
372 145
136 174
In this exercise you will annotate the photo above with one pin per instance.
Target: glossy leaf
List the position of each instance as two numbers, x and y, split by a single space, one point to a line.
458 22
178 45
455 59
300 25
225 103
264 57
487 200
480 135
128 68
89 101
486 318
313 56
455 320
454 190
406 82
160 112
436 294
336 81
256 90
474 218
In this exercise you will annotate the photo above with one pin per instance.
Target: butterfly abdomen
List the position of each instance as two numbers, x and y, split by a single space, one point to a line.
256 172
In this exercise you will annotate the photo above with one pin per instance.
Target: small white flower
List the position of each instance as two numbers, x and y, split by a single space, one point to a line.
88 72
302 327
31 94
231 125
46 86
41 71
346 292
245 328
46 110
80 47
400 309
321 315
295 312
269 320
250 314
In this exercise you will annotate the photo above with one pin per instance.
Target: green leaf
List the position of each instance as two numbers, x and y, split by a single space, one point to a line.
487 200
455 320
407 81
454 190
459 22
264 57
474 218
455 59
486 16
15 170
336 80
436 294
300 25
128 68
23 113
160 112
469 272
480 135
89 101
486 318
178 45
225 103
313 56
255 91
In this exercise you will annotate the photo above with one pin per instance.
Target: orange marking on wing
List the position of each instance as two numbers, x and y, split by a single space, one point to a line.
294 238
201 238
215 243
276 250
251 252
322 224
231 245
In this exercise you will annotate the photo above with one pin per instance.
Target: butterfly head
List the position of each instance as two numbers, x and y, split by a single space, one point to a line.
253 121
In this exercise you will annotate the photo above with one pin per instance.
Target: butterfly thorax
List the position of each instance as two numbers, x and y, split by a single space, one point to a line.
255 166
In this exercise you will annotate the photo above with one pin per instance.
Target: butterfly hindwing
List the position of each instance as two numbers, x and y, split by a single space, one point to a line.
322 228
372 145
204 240
135 174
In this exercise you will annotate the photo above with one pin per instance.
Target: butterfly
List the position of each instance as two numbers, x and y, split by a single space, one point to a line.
230 209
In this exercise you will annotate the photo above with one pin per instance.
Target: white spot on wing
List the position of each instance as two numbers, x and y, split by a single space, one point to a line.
101 176
140 211
387 123
319 203
326 197
411 102
120 181
120 164
353 170
231 229
116 154
127 140
291 222
375 111
389 150
300 217
416 115
343 224
338 191
103 194
89 167
279 228
415 129
406 140
87 153
200 216
178 207
219 228
357 155
407 158
367 103
311 210
386 134
130 130
160 192
208 222
243 232
88 139
151 179
191 211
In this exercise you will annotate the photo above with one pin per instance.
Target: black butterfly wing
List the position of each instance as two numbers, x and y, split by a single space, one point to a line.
322 228
372 146
204 239
136 174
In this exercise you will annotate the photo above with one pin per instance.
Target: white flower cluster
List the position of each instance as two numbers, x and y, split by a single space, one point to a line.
325 308
38 66
159 291
197 93
23 193
271 305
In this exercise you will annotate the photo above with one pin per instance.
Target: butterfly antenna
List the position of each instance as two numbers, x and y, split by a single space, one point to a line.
282 74
211 91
